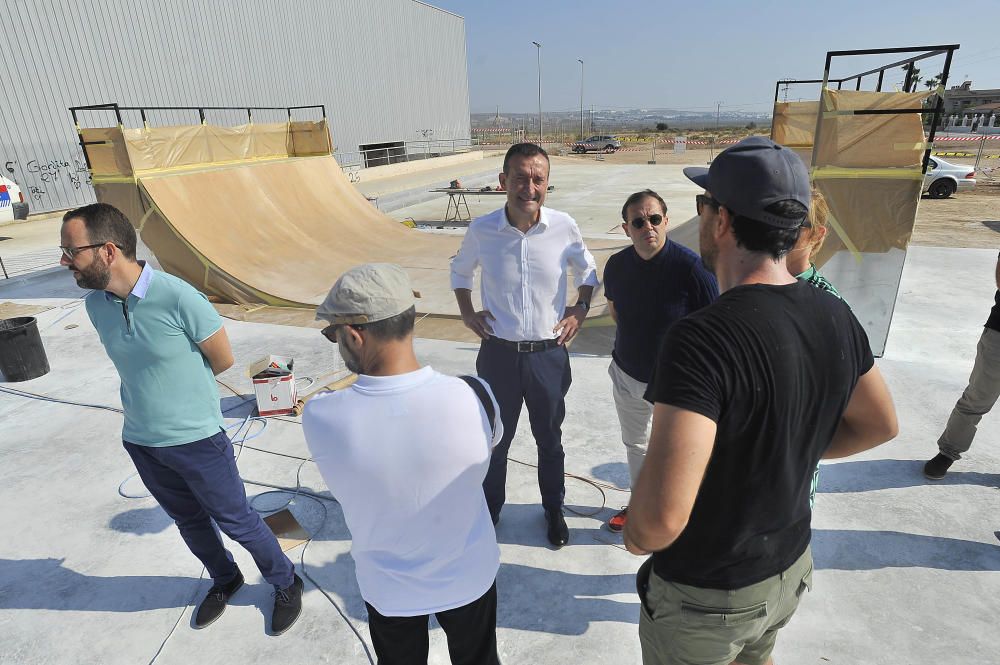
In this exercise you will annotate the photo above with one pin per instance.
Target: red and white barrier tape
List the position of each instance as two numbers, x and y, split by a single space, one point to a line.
971 137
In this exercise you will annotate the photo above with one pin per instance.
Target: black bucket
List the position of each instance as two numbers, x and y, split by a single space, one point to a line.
22 355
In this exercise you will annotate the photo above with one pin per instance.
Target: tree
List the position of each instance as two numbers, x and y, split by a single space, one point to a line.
931 102
751 125
662 126
916 78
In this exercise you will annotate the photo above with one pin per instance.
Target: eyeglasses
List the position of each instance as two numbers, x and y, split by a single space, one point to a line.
701 201
330 332
640 222
71 252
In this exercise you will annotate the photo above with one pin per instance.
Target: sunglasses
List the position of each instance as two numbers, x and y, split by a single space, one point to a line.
330 332
640 222
701 201
71 252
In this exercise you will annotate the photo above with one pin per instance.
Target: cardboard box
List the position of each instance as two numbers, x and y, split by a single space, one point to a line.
274 385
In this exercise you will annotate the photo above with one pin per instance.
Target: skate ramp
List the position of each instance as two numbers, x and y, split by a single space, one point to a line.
281 233
264 215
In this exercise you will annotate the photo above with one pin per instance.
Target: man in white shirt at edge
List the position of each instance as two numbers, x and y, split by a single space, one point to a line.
405 451
524 251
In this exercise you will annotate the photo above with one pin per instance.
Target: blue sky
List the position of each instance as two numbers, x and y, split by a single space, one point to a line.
689 55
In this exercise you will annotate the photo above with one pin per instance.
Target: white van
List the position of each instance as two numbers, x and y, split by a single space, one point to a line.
12 203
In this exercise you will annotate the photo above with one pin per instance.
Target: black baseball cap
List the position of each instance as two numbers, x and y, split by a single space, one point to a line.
753 174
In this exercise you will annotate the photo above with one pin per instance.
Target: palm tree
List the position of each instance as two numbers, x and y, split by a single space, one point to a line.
914 79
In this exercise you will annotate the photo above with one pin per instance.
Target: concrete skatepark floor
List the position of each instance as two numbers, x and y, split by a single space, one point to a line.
906 569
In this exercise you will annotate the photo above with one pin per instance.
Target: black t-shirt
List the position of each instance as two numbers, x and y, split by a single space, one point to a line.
774 367
649 296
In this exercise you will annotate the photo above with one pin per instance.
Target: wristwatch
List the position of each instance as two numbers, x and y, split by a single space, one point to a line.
584 305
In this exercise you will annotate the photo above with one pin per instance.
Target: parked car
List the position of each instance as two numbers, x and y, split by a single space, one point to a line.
12 202
601 143
944 178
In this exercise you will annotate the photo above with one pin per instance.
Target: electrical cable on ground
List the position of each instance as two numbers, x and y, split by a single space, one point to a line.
72 306
239 439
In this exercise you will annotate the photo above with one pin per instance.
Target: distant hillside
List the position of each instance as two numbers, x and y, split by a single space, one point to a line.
612 120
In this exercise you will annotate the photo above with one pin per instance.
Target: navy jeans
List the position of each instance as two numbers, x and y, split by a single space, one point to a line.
197 483
540 380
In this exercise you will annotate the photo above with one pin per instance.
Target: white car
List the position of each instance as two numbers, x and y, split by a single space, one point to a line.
602 143
12 203
944 178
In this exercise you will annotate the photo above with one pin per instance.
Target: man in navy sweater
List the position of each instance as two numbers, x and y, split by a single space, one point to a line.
649 286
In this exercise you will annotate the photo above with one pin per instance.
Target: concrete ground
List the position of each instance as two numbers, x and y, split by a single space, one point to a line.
906 569
592 191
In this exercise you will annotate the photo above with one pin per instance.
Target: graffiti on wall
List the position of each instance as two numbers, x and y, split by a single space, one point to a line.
52 170
39 177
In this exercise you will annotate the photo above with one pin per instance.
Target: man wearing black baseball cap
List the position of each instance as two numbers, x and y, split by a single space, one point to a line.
749 393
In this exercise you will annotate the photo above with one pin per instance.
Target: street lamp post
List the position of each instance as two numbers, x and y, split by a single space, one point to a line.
538 51
718 110
580 60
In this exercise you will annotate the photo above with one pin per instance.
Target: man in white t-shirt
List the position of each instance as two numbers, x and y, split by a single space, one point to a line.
405 451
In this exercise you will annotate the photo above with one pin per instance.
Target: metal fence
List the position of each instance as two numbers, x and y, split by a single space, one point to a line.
22 264
402 151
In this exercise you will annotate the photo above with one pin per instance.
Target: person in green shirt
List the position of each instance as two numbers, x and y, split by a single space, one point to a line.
800 258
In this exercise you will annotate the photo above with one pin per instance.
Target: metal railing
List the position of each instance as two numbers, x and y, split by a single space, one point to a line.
117 109
21 264
409 151
909 83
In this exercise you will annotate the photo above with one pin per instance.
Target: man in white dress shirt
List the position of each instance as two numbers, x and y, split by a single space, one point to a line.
524 252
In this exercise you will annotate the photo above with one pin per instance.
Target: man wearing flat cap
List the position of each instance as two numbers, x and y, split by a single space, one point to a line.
749 393
405 450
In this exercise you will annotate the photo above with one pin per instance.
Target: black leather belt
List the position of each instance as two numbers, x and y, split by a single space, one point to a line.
526 347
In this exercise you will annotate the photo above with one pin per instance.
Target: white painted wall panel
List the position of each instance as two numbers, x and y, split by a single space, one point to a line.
385 69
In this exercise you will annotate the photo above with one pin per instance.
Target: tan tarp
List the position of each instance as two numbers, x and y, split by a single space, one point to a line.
794 123
247 227
868 166
865 141
107 152
868 216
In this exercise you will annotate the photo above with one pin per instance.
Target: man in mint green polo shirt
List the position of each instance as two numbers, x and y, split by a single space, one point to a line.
168 343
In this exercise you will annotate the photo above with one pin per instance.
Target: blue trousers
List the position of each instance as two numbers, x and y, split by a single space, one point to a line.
197 483
540 380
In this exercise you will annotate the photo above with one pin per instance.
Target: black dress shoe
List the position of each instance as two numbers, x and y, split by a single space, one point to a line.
214 604
558 531
287 607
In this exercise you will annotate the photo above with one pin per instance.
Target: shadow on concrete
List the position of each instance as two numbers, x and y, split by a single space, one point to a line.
45 584
992 225
528 598
845 549
615 473
238 406
868 476
45 283
561 603
141 521
524 524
